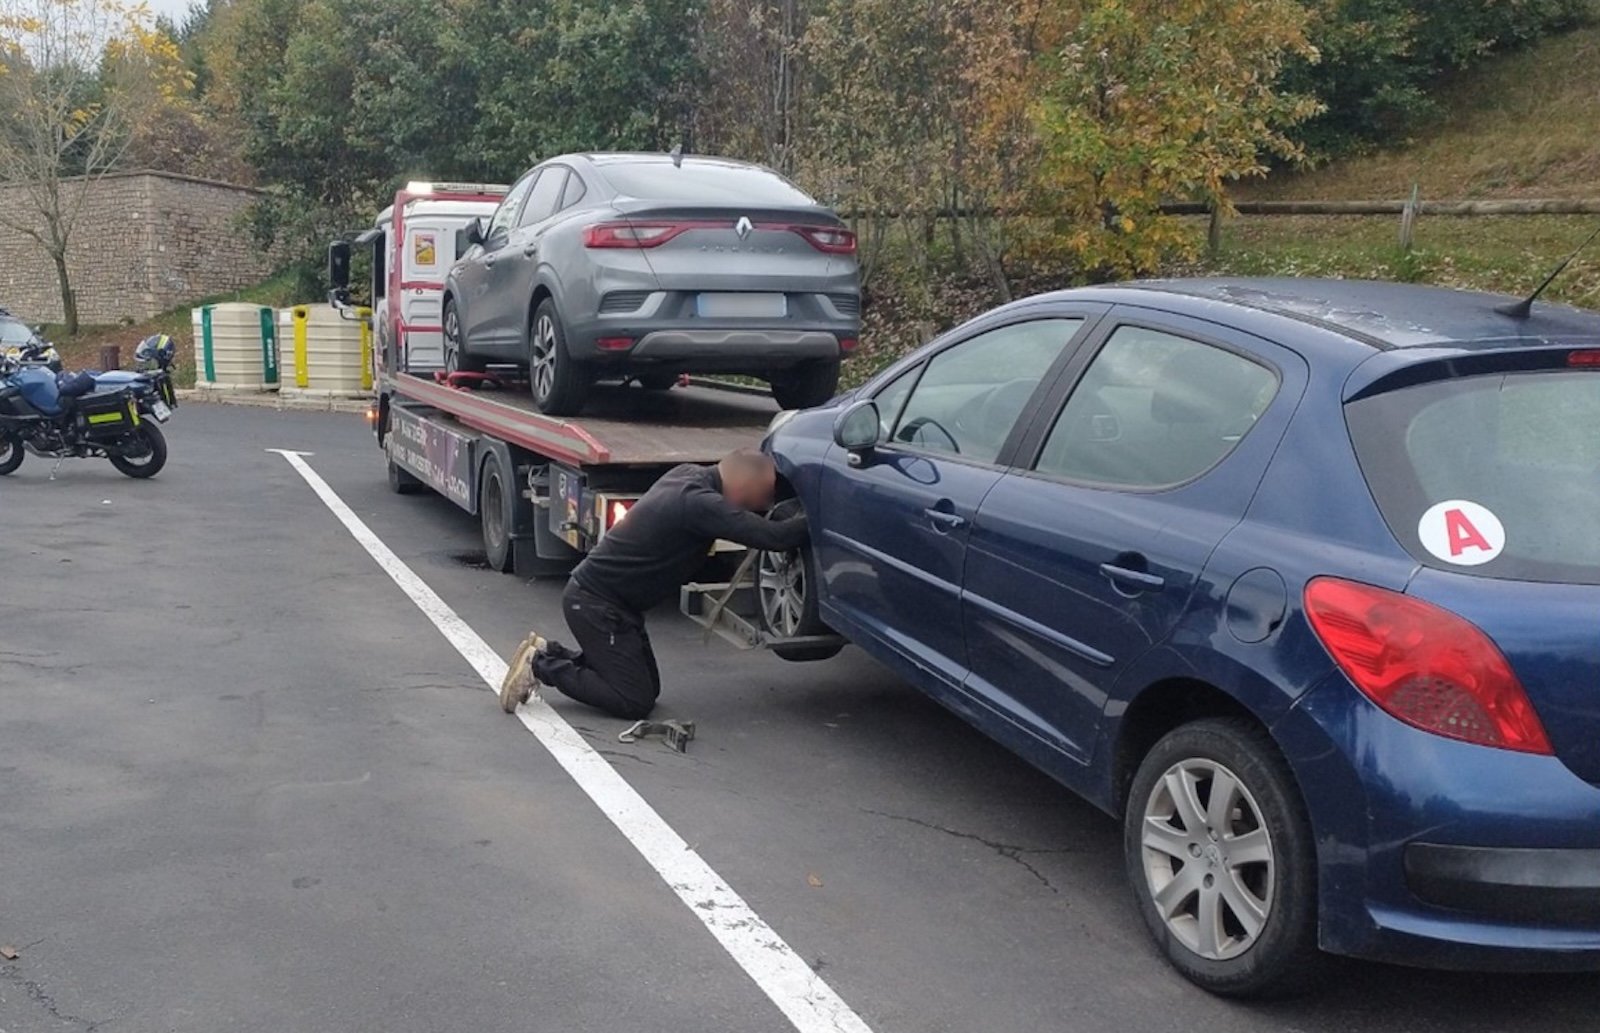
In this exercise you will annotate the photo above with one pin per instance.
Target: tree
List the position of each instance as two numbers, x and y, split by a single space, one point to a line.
78 78
1142 101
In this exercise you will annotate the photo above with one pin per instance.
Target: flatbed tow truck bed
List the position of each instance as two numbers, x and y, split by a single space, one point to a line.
621 425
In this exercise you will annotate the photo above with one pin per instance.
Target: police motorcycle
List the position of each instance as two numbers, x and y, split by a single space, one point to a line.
114 415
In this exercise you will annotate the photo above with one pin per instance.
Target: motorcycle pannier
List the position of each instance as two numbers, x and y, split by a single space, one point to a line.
108 417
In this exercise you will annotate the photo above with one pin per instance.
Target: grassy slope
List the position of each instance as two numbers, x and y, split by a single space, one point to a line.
1521 125
1525 124
83 349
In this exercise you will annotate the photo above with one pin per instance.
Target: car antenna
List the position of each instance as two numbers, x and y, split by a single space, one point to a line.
676 154
1524 308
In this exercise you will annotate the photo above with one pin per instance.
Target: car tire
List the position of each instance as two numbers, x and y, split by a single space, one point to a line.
806 385
11 455
456 359
402 481
560 384
149 464
1195 919
786 587
494 511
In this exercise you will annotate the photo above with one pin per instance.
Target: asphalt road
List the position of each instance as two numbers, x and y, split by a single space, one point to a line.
246 785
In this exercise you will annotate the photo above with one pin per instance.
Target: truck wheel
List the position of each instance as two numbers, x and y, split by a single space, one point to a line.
494 510
808 384
456 359
151 457
1220 855
11 455
401 481
560 384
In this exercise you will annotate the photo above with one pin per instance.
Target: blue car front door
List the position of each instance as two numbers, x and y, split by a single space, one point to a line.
896 518
1087 554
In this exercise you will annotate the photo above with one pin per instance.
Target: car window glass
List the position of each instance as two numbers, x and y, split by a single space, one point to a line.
700 181
15 332
1520 447
544 196
891 398
574 191
972 393
1154 410
505 216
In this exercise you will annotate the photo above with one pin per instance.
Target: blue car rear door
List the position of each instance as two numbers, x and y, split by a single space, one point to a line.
897 517
1146 452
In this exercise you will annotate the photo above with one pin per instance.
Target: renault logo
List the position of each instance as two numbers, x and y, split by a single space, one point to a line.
744 227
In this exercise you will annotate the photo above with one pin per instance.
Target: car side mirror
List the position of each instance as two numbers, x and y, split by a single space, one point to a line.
858 429
476 231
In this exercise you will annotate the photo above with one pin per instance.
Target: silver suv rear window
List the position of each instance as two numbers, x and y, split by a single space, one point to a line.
1495 475
701 181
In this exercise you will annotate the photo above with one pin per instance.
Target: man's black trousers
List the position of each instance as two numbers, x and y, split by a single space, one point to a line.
613 668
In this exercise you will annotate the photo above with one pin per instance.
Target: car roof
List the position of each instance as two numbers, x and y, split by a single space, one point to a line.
655 158
1382 315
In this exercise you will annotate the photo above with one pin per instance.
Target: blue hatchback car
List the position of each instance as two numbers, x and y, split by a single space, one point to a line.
1301 579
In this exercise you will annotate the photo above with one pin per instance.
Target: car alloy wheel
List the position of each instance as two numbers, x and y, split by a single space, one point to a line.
452 340
542 363
1208 859
781 583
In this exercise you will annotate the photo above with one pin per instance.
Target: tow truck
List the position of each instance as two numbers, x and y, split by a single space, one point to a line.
545 489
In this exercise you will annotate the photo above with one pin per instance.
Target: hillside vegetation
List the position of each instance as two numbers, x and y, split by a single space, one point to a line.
1524 124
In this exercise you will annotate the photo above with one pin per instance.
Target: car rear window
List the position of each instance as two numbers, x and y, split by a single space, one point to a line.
702 182
1493 475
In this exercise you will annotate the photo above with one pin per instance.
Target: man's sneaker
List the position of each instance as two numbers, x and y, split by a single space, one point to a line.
519 682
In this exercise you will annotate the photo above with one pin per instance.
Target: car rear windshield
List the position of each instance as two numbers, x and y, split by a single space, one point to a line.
702 182
1494 475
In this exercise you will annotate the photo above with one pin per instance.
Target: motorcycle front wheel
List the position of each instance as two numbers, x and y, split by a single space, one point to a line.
150 452
11 455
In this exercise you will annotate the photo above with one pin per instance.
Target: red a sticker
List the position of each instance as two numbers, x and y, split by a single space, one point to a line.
1462 532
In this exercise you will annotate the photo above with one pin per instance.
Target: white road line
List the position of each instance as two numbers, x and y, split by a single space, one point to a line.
805 998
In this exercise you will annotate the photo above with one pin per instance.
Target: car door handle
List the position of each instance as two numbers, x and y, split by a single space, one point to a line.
1140 580
944 521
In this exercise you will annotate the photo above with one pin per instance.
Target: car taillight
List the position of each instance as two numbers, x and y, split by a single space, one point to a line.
1424 665
1584 359
833 240
632 234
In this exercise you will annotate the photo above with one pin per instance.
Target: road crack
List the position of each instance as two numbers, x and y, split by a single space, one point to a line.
38 995
1010 851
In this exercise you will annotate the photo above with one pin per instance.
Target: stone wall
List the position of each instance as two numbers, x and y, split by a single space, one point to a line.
145 242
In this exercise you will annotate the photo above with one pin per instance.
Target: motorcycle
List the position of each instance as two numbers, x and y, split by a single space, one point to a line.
116 415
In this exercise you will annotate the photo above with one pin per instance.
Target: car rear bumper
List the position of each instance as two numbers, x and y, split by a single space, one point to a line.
1443 854
629 325
1547 887
777 346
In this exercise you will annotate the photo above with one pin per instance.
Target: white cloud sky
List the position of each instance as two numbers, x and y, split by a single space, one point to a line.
174 9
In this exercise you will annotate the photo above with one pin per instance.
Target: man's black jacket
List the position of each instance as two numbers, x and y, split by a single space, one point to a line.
665 538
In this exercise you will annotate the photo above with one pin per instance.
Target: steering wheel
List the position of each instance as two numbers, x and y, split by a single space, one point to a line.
913 429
